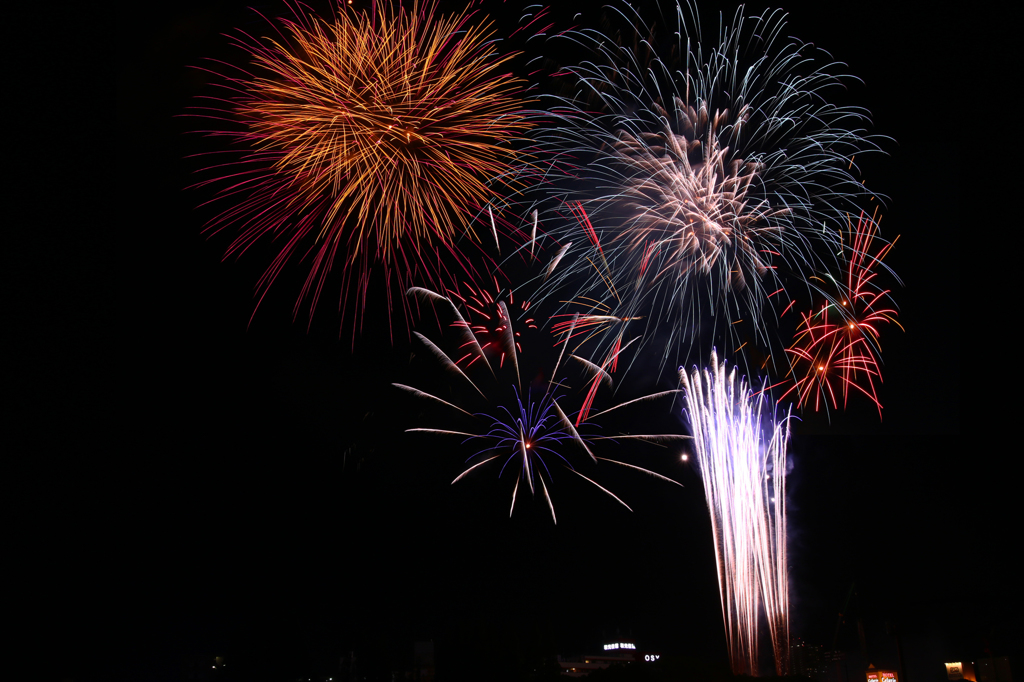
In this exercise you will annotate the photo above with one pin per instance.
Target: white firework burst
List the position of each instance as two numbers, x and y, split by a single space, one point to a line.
712 175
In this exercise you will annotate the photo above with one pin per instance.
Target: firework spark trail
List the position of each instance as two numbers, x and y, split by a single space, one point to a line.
743 471
368 139
706 167
840 342
600 376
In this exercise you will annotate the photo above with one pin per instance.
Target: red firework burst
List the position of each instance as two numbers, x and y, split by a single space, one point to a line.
836 349
490 321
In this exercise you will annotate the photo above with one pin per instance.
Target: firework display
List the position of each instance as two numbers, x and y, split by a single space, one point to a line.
367 139
741 455
708 170
695 194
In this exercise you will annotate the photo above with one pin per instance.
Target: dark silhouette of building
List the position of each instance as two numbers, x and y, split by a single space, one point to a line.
623 652
423 661
993 669
808 660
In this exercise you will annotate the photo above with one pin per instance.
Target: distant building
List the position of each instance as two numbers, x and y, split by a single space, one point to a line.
613 653
202 668
960 671
808 660
877 675
993 669
423 661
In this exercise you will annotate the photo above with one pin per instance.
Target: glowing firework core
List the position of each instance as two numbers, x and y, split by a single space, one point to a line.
693 204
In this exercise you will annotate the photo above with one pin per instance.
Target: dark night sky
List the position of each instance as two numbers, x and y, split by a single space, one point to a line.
195 485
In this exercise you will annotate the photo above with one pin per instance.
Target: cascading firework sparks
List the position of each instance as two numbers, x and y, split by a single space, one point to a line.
743 466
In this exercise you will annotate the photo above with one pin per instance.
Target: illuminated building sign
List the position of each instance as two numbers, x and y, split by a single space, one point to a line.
960 671
882 675
619 645
651 658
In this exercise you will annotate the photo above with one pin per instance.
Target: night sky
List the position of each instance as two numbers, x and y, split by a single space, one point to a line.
196 485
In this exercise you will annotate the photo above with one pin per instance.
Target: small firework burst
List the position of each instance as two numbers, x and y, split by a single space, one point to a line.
526 436
368 139
836 349
489 315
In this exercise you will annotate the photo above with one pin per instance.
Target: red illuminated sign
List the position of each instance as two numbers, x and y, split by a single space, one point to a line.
882 676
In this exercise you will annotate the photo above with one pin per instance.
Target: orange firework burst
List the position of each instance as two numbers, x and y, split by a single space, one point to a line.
370 138
839 344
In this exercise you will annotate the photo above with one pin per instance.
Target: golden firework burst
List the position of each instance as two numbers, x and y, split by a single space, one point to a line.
374 137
